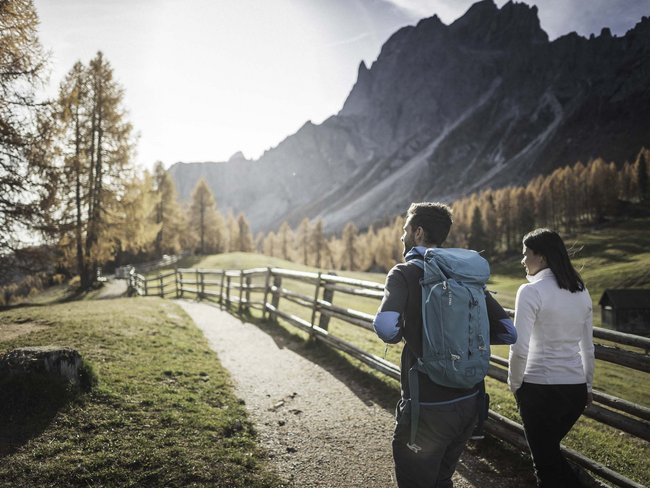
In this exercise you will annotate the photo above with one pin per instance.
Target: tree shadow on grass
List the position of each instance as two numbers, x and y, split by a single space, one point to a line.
27 406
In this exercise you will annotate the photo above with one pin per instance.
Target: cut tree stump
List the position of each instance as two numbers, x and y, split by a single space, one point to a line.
61 362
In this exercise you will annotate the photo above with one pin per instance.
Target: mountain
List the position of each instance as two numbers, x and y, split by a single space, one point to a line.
486 101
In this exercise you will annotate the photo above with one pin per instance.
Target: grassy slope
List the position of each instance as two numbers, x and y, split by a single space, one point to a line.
163 413
615 256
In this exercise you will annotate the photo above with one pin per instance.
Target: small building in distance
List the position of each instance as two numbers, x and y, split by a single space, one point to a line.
626 310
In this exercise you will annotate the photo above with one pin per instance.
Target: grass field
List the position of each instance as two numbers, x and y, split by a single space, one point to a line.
163 412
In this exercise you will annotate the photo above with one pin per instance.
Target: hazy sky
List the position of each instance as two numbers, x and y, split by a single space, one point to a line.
207 78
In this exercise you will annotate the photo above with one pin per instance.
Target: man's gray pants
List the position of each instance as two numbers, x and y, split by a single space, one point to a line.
443 430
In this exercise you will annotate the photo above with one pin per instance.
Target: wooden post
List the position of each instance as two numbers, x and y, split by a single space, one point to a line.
228 292
223 277
275 301
241 291
146 291
196 283
249 280
179 278
202 294
328 296
267 284
315 303
162 290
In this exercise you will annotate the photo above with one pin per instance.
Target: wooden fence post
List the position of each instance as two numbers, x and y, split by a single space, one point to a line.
196 283
228 292
267 284
162 290
328 296
202 294
146 291
315 303
241 291
223 277
179 280
249 281
275 301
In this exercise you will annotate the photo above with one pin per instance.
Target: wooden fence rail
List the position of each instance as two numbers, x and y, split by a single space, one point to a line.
233 288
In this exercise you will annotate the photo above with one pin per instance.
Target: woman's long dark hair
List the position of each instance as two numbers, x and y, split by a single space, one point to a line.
549 244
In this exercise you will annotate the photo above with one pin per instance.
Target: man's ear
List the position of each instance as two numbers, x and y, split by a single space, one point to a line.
419 235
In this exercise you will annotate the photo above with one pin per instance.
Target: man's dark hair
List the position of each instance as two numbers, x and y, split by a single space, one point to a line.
433 217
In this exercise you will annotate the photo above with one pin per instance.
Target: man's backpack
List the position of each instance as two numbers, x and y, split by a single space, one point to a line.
455 326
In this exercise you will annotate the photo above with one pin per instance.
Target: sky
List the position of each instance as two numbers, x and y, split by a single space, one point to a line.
204 79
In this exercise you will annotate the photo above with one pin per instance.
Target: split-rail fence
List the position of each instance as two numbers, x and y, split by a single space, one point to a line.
264 288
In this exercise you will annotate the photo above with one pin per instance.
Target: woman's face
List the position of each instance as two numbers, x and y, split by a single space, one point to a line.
532 262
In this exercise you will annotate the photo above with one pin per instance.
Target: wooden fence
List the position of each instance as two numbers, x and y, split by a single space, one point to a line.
234 288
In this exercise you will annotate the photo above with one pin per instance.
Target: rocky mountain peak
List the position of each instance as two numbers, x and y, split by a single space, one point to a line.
514 24
237 157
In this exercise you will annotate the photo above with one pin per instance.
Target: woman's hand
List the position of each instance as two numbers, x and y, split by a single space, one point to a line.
590 399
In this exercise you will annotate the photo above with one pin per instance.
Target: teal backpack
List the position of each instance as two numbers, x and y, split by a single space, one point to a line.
455 326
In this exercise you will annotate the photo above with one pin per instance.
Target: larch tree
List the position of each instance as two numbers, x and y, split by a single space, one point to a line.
476 238
285 241
641 167
95 169
269 245
302 240
244 235
167 213
135 231
205 221
350 252
318 243
231 233
24 178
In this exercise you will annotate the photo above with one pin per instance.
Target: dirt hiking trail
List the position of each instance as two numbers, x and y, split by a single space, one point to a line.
321 422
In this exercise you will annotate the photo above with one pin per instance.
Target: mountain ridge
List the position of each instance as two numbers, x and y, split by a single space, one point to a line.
444 110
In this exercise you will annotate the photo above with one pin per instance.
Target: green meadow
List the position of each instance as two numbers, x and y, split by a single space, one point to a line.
163 412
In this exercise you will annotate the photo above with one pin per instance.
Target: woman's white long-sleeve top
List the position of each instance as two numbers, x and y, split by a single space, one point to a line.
554 335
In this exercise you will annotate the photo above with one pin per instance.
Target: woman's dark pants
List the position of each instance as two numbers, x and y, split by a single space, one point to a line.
548 413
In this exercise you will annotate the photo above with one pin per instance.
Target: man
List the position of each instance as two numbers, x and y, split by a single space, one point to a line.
447 415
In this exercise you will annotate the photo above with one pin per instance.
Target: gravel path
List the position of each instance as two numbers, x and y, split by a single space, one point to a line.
321 425
113 288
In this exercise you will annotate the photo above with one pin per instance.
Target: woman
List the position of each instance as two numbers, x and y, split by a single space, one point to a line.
552 363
